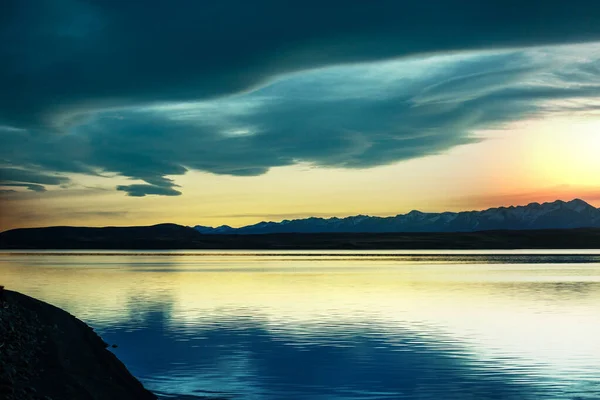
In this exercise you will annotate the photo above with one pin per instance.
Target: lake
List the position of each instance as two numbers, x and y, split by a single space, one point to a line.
336 325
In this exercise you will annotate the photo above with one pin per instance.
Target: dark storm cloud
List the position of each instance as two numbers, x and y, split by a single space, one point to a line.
349 117
64 57
148 91
353 117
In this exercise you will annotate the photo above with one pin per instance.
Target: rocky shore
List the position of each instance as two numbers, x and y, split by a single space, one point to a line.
48 354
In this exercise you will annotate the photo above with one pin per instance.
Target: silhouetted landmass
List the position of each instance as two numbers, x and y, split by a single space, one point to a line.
162 236
171 236
46 353
555 215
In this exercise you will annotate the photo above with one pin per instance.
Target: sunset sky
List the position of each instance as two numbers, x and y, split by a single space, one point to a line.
234 111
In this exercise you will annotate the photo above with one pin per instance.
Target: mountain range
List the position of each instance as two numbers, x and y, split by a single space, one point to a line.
557 225
555 215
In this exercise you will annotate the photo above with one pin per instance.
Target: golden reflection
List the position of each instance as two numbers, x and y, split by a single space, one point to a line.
494 309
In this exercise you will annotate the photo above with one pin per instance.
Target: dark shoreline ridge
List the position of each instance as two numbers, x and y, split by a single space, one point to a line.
46 353
173 237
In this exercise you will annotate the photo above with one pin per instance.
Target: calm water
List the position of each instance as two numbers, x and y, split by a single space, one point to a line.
342 325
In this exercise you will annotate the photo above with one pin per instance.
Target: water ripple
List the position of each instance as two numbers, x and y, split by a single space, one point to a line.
342 325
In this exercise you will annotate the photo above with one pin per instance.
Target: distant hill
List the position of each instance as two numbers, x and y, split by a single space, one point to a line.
163 236
556 215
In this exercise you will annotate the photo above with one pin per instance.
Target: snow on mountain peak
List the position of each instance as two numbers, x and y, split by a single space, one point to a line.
578 205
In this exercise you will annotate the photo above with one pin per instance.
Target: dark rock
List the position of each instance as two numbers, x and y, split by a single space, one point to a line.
46 353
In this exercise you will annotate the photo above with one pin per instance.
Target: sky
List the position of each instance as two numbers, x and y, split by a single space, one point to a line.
231 112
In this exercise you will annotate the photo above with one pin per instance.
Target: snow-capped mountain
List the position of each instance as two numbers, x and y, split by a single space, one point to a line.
556 215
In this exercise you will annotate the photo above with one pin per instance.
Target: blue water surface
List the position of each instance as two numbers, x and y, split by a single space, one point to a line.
336 325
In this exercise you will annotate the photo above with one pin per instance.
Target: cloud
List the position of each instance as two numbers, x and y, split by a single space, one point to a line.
65 58
143 190
237 87
31 186
21 175
353 116
30 179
